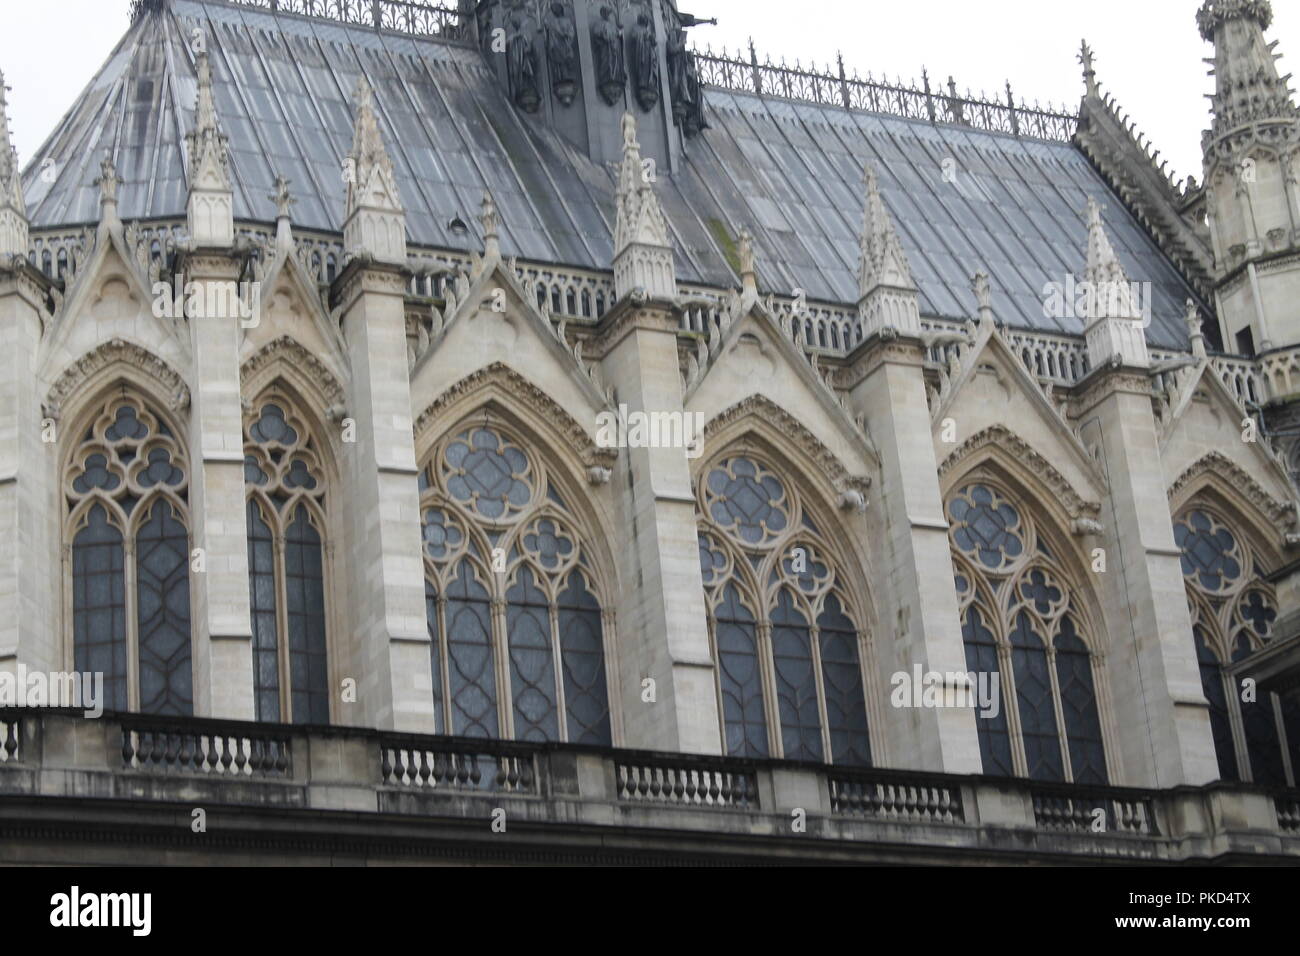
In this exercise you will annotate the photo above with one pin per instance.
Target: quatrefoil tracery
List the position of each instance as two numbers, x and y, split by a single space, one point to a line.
127 455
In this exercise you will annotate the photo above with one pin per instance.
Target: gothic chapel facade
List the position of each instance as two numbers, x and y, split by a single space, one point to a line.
314 317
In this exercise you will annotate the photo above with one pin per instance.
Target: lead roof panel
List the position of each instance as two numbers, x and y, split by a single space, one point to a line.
790 172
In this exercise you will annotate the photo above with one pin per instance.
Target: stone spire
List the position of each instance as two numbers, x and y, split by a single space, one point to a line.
1113 312
374 220
643 254
888 294
1089 73
13 211
211 207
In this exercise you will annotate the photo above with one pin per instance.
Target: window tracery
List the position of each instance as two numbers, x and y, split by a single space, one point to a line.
126 488
790 680
1233 609
515 620
285 487
1022 620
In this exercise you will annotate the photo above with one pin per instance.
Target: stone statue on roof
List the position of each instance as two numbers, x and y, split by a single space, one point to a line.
562 50
607 52
521 63
645 61
678 82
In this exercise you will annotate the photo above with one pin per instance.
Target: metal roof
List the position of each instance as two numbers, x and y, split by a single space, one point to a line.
790 172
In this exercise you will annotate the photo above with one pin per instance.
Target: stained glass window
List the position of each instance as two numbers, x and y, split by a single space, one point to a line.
1022 623
285 487
497 533
1233 610
127 482
788 664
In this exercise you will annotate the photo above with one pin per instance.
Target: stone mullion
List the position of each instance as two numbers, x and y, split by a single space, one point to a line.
501 663
281 617
814 648
444 661
558 663
1058 708
130 610
767 672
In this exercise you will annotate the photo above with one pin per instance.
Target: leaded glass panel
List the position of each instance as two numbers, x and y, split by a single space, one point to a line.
99 605
163 587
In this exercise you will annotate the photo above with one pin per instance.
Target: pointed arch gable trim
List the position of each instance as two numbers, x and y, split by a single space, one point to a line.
147 366
776 418
261 368
1216 468
501 378
998 438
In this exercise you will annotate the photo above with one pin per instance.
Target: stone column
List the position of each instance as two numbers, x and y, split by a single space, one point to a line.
219 602
380 501
915 595
1154 678
29 500
662 624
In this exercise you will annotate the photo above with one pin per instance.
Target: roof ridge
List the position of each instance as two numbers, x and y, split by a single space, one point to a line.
837 87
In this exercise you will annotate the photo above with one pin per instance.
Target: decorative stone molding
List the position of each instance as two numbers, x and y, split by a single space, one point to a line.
1079 508
140 360
498 375
763 408
1279 513
295 354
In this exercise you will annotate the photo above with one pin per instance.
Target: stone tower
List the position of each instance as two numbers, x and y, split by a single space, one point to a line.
1253 201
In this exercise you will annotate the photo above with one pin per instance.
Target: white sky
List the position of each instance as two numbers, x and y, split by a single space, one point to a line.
1148 52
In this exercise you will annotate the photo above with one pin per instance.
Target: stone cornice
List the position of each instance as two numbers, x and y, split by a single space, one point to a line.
628 316
1280 514
880 350
1104 381
500 376
764 409
114 351
997 436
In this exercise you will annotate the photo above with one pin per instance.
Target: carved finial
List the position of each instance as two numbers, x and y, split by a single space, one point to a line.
1089 74
745 252
282 198
210 209
983 295
491 221
629 131
1194 331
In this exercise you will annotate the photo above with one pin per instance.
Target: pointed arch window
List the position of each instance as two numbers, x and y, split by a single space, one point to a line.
285 488
512 597
1023 621
1233 609
788 653
126 486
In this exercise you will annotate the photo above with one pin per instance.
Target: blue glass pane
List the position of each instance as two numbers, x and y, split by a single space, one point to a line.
846 706
1209 552
1212 685
163 597
99 606
305 597
582 654
469 657
1034 694
261 594
740 678
796 682
532 666
982 658
1079 705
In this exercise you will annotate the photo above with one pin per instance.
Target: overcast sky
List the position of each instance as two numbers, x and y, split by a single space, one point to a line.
1148 52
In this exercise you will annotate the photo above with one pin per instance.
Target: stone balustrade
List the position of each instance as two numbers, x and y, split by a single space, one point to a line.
144 773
